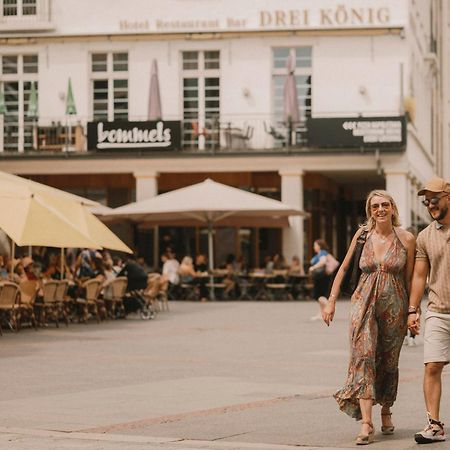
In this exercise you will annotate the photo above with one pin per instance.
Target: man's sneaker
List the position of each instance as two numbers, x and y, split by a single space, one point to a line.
434 432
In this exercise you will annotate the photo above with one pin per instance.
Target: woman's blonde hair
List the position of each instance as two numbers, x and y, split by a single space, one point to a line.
381 193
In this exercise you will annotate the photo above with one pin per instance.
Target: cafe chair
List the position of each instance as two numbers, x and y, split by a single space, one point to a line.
50 306
28 292
9 311
90 304
113 293
63 301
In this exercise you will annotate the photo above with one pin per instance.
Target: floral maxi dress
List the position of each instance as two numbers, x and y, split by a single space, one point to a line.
377 329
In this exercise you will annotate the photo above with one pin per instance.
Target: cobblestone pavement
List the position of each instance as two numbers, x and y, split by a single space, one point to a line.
215 375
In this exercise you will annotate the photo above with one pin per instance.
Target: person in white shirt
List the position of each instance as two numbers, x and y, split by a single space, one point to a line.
170 270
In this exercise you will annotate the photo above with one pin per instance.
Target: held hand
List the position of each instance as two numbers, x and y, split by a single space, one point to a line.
414 323
328 308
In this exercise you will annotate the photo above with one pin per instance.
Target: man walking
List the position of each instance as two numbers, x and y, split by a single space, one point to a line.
433 261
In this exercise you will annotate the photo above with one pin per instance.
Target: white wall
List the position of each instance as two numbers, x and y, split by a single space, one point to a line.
245 65
104 16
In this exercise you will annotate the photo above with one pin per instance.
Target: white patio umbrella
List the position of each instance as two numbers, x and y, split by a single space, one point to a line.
208 203
291 111
154 99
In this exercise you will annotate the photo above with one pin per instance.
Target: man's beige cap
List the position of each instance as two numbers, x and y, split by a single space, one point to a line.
435 185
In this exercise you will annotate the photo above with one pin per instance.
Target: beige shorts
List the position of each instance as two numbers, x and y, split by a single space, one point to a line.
436 338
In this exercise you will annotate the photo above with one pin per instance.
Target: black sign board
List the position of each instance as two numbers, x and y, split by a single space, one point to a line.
123 135
360 132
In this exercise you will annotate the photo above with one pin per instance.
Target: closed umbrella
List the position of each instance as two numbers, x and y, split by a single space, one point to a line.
3 110
32 111
154 99
291 111
208 203
70 111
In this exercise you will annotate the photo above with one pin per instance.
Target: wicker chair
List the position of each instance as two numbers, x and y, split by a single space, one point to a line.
113 293
28 293
63 301
9 311
90 303
50 305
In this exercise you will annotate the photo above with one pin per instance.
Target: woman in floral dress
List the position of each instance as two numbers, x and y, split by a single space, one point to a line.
379 308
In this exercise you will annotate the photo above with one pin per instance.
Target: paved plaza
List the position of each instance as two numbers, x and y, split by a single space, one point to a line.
215 375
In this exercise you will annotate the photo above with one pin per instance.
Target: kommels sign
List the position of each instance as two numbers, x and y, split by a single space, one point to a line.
122 135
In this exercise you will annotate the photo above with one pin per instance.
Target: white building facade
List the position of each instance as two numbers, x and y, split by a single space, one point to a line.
371 81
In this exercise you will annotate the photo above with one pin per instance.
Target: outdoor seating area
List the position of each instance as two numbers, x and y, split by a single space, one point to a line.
254 285
41 301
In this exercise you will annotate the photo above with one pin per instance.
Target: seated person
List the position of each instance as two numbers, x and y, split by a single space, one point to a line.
170 276
4 275
29 266
201 265
279 263
135 273
19 274
53 270
296 268
186 270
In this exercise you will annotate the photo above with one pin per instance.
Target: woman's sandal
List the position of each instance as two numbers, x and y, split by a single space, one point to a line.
364 439
387 429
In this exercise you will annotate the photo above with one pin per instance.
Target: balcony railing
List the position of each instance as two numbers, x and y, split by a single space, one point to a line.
238 134
234 134
211 136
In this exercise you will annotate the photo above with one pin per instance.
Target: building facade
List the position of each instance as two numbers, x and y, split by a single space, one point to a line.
371 84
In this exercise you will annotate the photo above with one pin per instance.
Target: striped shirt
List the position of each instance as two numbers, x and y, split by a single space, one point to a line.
433 244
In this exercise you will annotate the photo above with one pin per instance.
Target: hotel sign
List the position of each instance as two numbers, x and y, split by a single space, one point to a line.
123 135
287 15
360 132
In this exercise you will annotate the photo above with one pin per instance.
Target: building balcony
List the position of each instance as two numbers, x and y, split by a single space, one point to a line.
234 135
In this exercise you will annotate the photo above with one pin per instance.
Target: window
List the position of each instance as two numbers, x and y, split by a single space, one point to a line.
303 77
201 99
18 72
109 74
19 7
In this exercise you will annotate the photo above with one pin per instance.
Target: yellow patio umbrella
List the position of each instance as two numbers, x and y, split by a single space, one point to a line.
6 179
80 216
41 215
74 209
28 219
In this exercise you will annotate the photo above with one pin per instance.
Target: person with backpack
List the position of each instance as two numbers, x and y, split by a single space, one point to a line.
321 279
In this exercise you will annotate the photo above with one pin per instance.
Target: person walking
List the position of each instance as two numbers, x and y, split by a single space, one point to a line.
321 280
378 314
433 262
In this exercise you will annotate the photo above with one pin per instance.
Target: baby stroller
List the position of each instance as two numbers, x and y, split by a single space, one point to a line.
134 300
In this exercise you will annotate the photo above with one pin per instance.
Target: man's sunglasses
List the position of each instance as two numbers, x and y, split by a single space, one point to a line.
433 200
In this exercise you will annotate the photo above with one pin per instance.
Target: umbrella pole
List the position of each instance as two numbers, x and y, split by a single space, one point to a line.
62 263
211 258
13 251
